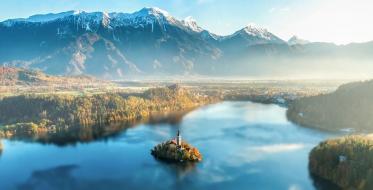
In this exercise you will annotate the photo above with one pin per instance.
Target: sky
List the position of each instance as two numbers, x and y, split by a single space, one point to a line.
338 21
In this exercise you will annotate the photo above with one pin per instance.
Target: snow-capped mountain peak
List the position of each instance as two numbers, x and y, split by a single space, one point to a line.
254 30
142 17
253 34
190 23
77 12
97 17
44 17
148 12
91 20
296 40
144 14
153 11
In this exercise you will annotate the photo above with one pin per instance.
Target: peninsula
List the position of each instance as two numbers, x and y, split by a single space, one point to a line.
349 108
345 161
30 115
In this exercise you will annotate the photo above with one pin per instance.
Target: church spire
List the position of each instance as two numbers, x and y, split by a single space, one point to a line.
178 138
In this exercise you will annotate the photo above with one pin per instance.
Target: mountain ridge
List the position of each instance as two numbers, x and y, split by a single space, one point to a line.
120 16
152 42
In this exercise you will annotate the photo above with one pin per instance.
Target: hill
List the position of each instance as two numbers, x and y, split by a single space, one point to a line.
346 161
10 76
350 106
87 116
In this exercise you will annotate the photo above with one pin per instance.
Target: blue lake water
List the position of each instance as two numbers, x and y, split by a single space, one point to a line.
244 146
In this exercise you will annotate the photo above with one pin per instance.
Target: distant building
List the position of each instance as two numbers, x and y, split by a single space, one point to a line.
301 114
178 139
342 158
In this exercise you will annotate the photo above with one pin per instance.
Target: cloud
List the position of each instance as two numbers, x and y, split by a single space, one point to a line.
257 153
276 148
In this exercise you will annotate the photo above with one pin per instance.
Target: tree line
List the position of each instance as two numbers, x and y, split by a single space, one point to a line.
35 113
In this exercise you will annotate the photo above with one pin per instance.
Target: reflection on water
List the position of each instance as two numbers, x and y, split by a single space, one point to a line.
62 178
86 134
179 170
1 147
77 134
47 179
322 184
244 145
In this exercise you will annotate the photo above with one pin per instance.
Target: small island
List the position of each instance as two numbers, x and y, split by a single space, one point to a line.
176 150
345 161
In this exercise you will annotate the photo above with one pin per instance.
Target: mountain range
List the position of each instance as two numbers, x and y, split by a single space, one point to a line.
151 42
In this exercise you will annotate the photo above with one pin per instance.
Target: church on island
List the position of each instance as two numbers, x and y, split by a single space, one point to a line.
177 140
176 150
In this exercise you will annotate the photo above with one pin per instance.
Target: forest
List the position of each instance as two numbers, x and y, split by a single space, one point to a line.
33 114
350 106
345 161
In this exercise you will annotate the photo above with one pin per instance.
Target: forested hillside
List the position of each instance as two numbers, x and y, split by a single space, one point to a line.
350 106
10 76
33 114
347 161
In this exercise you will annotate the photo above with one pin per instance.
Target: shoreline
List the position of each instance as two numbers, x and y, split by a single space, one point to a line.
36 115
348 156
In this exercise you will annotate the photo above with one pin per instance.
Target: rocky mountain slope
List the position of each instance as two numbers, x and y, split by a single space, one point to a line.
153 42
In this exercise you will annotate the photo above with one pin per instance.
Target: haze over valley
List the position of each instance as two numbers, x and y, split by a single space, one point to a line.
151 42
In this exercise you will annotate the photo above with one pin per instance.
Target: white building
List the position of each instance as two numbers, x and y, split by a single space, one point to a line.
178 139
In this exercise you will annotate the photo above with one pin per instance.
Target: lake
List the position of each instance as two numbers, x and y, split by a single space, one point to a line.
244 146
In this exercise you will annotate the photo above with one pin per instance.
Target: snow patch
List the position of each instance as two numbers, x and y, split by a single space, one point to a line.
190 23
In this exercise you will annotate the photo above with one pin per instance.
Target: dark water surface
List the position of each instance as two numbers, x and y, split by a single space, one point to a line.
244 146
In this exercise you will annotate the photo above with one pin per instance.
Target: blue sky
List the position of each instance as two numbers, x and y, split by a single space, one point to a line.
339 21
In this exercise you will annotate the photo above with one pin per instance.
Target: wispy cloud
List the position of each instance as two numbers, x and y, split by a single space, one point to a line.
256 153
276 148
